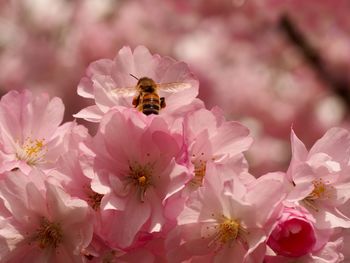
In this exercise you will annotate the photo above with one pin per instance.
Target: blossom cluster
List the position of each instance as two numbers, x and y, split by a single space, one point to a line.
239 50
168 187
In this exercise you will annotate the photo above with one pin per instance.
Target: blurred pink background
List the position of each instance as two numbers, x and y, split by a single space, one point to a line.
269 64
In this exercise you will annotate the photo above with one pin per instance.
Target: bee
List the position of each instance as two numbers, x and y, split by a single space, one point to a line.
146 94
147 100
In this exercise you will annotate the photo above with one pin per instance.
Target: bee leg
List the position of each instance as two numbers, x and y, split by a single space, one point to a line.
162 102
136 101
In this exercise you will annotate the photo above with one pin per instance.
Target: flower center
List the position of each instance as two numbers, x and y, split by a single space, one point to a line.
227 231
321 191
49 234
32 151
140 177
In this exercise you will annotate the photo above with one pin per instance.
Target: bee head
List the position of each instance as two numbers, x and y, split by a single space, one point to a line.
146 84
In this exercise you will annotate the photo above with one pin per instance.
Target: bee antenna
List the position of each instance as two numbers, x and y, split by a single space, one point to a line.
133 76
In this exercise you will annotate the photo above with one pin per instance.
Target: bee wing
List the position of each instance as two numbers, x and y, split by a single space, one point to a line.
125 92
173 87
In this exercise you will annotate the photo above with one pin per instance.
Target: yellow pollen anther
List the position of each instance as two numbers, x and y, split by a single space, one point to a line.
140 177
227 231
142 180
34 147
31 151
320 191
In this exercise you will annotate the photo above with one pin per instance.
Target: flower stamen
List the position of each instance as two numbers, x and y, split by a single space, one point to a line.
228 231
49 234
321 191
140 177
31 151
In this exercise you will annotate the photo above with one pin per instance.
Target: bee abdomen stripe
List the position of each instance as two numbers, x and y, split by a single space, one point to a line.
150 106
154 100
150 111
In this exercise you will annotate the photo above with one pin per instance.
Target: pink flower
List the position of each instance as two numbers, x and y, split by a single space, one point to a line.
107 79
294 235
319 179
45 223
70 175
74 172
222 223
30 131
136 171
211 139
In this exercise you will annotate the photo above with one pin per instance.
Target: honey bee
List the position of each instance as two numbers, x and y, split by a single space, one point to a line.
146 94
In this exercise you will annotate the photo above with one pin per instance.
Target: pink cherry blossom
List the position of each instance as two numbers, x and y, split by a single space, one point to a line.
72 176
69 174
223 224
319 178
46 224
106 80
294 235
136 171
227 47
184 185
30 131
212 139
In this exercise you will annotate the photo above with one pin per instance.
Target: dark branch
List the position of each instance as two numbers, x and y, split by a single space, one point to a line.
338 85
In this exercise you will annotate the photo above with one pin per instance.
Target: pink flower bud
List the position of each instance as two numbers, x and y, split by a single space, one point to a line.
294 234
